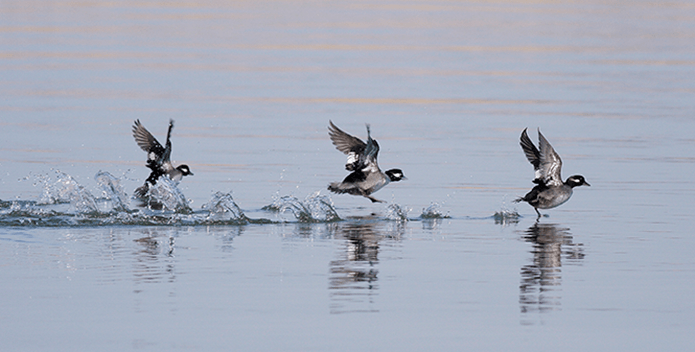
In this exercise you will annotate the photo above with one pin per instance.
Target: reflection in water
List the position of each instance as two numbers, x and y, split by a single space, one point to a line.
354 274
154 255
148 266
431 224
541 280
226 234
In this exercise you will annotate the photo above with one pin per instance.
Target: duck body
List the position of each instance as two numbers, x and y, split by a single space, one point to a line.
544 197
550 191
158 158
366 177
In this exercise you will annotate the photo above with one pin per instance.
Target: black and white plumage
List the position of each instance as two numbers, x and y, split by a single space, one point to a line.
366 177
549 191
158 157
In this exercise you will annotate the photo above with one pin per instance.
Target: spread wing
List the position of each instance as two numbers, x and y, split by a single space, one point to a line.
144 138
156 154
343 141
546 163
350 145
532 154
551 164
371 151
166 158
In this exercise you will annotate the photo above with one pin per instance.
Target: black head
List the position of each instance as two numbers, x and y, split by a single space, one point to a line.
576 180
184 170
395 175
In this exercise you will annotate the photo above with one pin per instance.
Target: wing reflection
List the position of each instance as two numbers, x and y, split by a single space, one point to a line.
353 280
541 280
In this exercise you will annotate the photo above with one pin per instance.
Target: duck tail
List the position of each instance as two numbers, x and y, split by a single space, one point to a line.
335 187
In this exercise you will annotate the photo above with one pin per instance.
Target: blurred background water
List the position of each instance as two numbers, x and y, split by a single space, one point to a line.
447 88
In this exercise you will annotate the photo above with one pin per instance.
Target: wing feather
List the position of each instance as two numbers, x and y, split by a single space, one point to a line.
166 157
368 160
345 142
144 138
532 154
157 156
551 164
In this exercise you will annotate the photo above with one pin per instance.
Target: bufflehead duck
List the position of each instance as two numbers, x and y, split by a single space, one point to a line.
550 191
157 158
366 177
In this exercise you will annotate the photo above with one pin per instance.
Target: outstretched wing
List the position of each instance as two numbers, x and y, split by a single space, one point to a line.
367 161
550 163
343 141
156 154
350 145
546 163
144 138
532 154
166 158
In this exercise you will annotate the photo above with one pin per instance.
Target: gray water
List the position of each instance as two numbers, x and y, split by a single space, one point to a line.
255 254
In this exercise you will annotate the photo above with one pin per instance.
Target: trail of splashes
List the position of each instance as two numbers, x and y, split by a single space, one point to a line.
65 189
63 199
397 212
113 191
434 211
223 209
314 208
506 217
166 196
22 212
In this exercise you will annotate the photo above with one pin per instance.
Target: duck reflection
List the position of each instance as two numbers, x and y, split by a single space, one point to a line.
148 266
154 254
541 280
353 280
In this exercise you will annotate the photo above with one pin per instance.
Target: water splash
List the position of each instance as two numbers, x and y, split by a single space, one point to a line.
166 196
65 202
65 189
397 212
434 211
223 209
21 212
314 208
112 191
506 217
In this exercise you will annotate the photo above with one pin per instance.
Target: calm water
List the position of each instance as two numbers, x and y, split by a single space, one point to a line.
262 262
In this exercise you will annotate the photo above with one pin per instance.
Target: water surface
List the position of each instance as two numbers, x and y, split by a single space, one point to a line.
262 257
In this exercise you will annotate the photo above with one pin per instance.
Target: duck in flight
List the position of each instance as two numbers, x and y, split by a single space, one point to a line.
366 177
158 158
549 191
